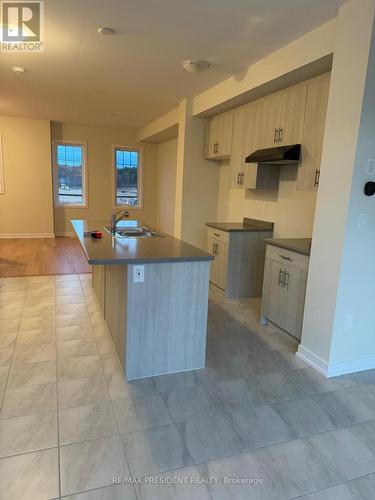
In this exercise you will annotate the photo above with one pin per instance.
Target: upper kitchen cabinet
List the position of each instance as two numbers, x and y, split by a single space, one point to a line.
271 121
282 118
219 136
313 134
245 139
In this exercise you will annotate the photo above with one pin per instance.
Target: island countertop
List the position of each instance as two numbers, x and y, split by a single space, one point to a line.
111 250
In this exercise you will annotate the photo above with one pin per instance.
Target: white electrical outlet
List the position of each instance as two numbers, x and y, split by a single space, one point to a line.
362 221
138 274
370 168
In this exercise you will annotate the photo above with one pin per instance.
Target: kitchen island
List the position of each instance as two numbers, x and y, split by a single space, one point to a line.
154 296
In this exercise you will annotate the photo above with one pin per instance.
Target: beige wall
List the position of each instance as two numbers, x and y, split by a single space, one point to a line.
290 210
167 165
197 180
26 208
100 176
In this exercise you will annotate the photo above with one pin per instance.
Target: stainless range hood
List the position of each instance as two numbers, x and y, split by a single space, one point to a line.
280 155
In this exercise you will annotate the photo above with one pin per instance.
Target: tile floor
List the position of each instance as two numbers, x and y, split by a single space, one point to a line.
256 423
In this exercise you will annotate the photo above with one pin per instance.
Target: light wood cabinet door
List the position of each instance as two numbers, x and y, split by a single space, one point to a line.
272 108
292 115
293 300
245 139
219 136
211 249
224 134
219 266
237 160
313 134
272 297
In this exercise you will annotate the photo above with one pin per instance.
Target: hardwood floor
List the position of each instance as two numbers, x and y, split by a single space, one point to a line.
42 256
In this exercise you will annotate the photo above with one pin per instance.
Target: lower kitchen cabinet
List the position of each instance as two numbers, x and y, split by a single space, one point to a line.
238 262
284 289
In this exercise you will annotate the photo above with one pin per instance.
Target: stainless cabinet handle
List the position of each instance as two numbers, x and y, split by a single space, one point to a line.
317 177
238 178
281 277
281 132
285 258
286 280
275 136
217 234
242 178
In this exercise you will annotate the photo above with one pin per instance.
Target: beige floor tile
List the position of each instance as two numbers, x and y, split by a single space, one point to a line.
105 346
37 323
28 433
28 400
72 320
32 374
6 356
78 368
35 340
38 311
7 340
13 311
74 332
30 477
31 353
82 392
76 348
87 422
92 464
9 325
40 301
62 309
76 298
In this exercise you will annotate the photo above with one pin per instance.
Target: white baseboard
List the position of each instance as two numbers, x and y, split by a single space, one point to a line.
68 234
334 369
311 359
27 235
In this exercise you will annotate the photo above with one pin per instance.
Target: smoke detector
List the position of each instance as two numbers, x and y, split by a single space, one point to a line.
106 31
195 65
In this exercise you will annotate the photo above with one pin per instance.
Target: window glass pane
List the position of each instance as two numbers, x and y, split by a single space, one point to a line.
127 192
69 173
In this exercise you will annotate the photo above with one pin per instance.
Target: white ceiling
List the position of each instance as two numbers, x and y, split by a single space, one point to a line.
83 77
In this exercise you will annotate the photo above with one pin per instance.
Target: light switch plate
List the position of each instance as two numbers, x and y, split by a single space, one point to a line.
362 221
370 168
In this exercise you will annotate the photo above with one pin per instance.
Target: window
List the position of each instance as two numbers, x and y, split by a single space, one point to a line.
128 176
70 174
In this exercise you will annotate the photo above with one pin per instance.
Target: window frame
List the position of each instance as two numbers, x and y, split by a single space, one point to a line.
85 201
140 151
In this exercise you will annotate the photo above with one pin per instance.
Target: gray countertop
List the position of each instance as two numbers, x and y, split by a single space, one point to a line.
246 225
299 245
110 250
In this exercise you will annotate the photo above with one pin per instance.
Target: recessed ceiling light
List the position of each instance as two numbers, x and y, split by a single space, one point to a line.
195 65
18 69
106 31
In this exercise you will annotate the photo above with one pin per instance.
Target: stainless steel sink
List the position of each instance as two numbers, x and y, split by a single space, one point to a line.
134 232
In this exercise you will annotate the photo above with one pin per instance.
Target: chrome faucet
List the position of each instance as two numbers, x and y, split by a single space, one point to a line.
116 217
